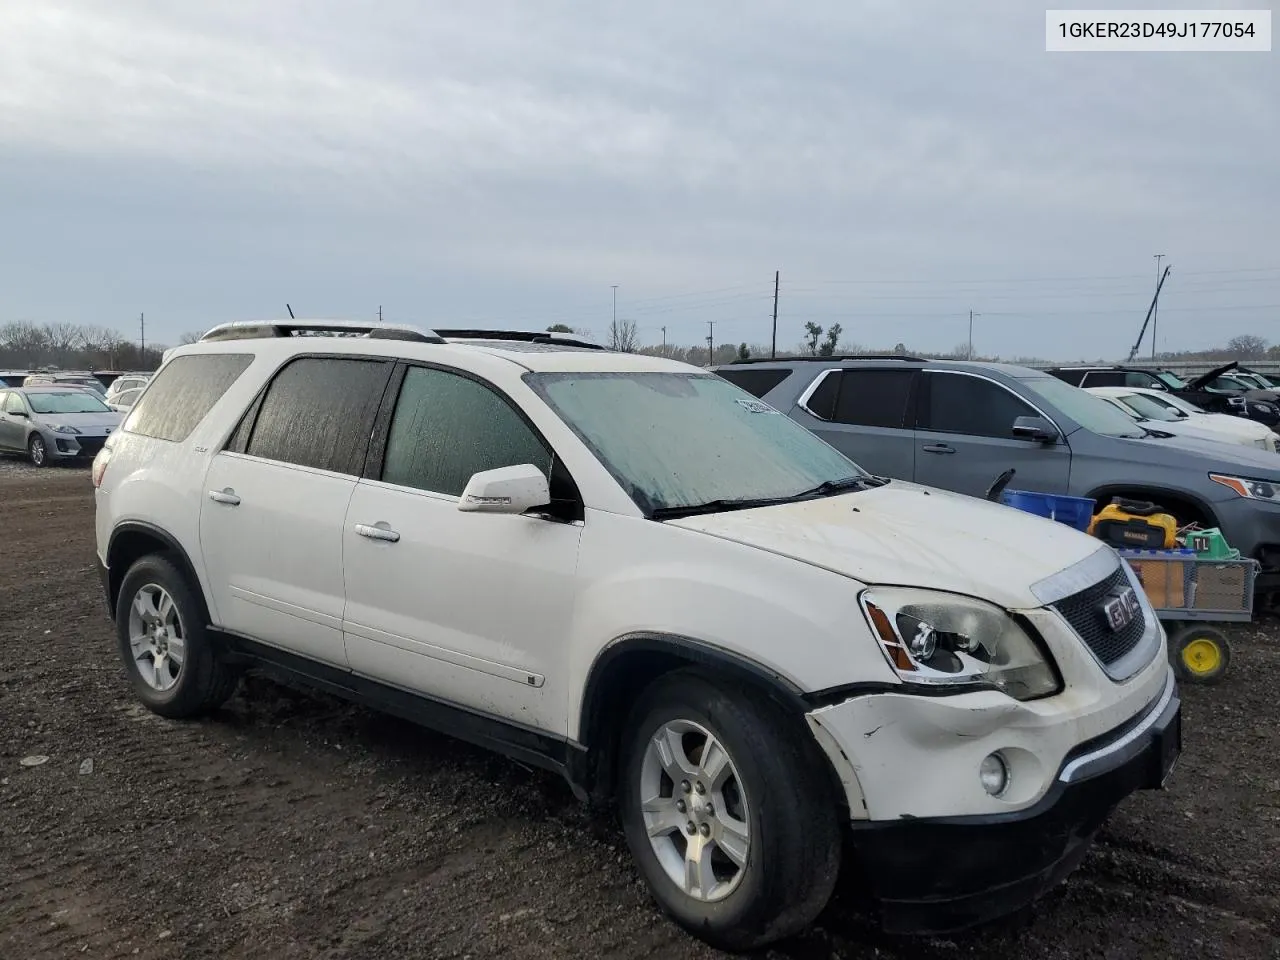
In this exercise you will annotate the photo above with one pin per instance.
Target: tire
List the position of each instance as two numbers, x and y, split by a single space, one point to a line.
174 671
37 452
1199 654
775 784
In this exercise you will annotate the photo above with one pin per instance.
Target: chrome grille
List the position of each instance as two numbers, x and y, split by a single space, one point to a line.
1083 611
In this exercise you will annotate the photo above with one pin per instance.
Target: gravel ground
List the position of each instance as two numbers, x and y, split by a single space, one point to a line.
293 825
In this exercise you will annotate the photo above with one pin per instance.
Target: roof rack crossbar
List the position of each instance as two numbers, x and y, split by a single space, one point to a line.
525 336
838 356
250 330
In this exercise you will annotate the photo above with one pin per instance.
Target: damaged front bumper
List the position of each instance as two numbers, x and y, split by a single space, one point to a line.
939 873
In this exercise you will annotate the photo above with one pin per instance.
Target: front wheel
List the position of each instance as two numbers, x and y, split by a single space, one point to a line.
728 812
37 452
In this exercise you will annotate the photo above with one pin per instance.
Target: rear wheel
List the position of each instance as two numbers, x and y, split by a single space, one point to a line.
728 812
37 453
161 634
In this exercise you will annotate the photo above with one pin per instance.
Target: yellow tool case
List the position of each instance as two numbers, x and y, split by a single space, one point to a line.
1135 524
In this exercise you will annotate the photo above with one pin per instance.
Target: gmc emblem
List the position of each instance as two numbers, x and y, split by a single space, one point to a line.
1121 609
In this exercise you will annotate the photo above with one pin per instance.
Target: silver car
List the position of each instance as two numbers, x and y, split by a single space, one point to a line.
50 423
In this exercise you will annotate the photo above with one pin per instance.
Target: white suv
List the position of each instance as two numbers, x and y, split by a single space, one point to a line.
630 571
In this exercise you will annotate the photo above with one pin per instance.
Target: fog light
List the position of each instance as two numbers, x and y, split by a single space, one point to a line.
994 774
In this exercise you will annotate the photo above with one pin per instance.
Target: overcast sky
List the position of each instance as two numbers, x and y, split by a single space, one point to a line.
504 162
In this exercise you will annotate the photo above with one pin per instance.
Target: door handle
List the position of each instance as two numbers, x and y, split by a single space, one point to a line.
938 448
227 496
378 531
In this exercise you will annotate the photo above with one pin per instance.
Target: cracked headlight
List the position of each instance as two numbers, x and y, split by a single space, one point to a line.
944 639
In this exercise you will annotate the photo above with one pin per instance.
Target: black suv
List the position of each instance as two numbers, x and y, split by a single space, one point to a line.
1203 391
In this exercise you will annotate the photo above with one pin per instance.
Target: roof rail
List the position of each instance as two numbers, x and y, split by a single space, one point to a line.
838 356
252 330
525 336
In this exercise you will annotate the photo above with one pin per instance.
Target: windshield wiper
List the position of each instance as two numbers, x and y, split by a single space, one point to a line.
718 506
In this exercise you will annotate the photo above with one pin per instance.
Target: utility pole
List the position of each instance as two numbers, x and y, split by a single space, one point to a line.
773 349
379 313
142 329
615 307
711 342
664 341
971 316
1155 317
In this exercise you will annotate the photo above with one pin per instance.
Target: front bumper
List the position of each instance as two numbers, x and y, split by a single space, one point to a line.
70 446
936 875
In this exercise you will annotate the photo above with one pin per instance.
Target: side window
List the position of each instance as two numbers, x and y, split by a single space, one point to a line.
183 392
15 404
319 412
822 402
1135 378
755 381
959 403
447 427
1073 377
874 398
1104 378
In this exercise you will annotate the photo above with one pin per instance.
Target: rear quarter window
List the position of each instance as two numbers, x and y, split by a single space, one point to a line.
183 392
756 382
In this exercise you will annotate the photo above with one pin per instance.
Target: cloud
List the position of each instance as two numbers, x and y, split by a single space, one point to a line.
518 153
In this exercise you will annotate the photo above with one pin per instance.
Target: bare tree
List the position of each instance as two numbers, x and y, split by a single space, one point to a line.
63 339
1247 346
623 336
28 341
191 336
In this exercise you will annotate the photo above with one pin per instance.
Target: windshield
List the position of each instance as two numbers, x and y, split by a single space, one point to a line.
1171 381
1150 408
1181 403
72 401
1090 411
677 440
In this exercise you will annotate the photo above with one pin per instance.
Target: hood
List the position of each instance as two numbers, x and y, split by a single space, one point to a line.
908 535
1213 455
1199 382
1226 423
1206 431
94 423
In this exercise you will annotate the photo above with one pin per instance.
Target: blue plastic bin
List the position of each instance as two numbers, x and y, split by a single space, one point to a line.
1073 511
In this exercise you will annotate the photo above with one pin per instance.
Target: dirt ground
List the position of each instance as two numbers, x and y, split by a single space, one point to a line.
293 825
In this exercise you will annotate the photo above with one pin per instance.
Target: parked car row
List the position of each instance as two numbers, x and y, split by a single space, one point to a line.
630 571
958 425
50 423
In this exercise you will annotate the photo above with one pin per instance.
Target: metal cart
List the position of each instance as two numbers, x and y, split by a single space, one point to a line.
1189 593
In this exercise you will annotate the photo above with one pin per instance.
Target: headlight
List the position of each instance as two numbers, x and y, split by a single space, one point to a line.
63 428
946 639
1253 489
1263 409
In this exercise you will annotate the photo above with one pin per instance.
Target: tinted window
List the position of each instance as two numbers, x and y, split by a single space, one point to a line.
183 392
822 402
319 412
1137 379
755 382
1070 376
978 408
447 427
874 398
1105 378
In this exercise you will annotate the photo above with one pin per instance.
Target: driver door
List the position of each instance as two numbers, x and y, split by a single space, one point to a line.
472 608
964 438
13 428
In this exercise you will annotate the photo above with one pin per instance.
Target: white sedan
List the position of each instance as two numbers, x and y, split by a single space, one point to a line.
1184 419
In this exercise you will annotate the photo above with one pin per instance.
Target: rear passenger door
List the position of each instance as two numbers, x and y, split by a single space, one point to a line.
965 438
867 415
275 498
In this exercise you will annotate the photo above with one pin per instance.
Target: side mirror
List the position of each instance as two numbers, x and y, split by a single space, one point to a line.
1036 429
19 413
506 490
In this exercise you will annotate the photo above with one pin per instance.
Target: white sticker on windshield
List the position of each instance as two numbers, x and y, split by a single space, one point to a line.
755 406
